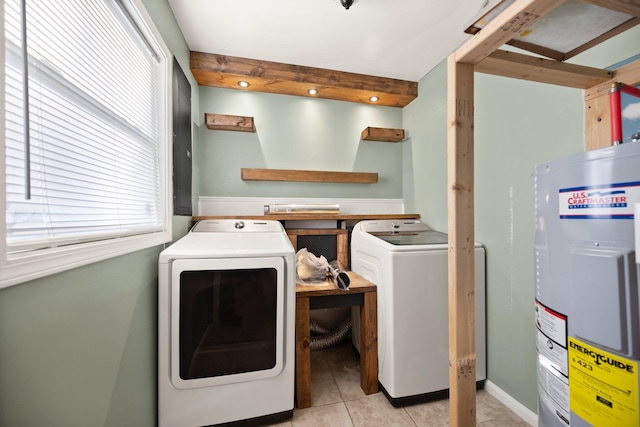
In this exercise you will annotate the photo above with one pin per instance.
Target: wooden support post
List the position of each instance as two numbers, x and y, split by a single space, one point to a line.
462 356
597 122
369 343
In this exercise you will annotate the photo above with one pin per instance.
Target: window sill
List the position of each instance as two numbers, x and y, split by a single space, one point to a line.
23 268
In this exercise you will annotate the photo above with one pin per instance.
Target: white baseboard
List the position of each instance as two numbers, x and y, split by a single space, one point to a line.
511 403
225 206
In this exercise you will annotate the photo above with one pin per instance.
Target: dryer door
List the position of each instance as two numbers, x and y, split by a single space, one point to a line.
226 320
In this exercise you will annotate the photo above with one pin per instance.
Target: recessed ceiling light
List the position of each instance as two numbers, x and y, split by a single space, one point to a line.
374 98
242 83
312 91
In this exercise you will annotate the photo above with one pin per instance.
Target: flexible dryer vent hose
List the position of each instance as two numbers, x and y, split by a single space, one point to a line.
329 338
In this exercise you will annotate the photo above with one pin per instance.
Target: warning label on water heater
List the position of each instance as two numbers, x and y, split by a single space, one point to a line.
551 346
611 201
603 386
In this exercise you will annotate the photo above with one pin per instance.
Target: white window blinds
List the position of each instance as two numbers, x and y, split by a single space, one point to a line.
83 155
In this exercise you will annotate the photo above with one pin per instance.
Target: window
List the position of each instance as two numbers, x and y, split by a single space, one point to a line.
86 134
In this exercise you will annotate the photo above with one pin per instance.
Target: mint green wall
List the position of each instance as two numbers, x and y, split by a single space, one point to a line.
518 124
78 349
425 151
296 133
517 127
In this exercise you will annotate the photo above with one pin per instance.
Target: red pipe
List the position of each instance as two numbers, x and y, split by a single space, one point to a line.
616 108
616 113
630 90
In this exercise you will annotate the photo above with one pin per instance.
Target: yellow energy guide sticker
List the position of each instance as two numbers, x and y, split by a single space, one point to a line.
603 387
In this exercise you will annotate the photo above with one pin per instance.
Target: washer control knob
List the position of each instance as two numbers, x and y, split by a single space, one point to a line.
239 225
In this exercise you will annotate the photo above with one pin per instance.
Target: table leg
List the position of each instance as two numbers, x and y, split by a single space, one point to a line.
303 354
369 343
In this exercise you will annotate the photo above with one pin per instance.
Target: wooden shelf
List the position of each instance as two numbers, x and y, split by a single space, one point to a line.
225 122
249 174
361 293
383 134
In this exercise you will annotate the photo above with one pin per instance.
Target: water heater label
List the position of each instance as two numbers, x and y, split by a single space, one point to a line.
610 201
551 346
603 387
552 324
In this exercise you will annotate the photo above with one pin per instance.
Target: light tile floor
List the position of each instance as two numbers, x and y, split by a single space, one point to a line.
337 400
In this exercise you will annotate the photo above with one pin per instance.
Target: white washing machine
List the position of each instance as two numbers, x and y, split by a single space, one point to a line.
226 325
408 262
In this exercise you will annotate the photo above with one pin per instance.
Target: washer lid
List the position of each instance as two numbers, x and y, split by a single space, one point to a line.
404 232
427 237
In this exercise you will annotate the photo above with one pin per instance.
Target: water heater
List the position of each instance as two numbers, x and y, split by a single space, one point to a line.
587 300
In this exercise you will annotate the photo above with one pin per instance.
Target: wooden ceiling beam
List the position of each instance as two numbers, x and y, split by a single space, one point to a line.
628 73
525 67
518 16
273 77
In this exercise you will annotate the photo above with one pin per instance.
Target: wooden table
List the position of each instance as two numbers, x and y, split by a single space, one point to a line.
308 297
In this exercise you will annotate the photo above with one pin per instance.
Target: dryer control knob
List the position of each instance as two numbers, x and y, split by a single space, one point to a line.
239 225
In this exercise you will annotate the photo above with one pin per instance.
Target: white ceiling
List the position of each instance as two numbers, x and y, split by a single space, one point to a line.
401 39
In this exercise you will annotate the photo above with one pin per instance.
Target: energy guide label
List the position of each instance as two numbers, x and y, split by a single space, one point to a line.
603 386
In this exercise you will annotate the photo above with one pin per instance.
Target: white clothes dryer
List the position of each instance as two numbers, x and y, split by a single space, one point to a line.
226 325
408 262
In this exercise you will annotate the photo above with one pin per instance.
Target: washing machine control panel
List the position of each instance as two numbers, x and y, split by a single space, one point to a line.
394 226
237 226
